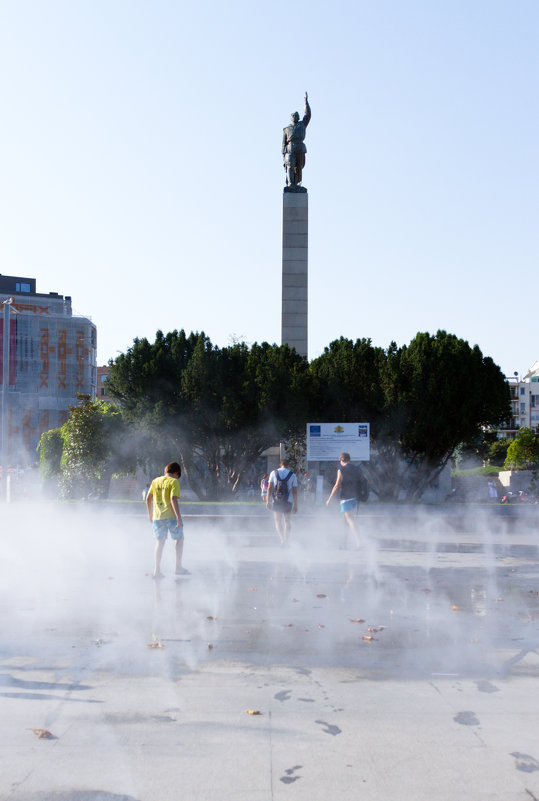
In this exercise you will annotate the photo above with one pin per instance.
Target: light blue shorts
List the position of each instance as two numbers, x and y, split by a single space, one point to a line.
349 505
168 526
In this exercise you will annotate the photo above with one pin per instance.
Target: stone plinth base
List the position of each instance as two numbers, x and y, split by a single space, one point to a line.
295 271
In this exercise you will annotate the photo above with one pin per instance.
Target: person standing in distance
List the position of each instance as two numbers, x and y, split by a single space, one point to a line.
282 485
347 477
264 484
162 502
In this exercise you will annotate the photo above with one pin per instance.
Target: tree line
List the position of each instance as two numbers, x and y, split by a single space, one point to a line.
217 409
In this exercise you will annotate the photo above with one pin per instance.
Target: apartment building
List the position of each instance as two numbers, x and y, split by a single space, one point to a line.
524 402
50 358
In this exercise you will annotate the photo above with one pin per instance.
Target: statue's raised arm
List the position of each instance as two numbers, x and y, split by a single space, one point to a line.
294 149
307 114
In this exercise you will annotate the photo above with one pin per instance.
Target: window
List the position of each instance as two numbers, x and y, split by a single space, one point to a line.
522 408
102 390
22 287
522 391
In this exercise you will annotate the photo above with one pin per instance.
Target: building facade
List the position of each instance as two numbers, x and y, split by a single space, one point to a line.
102 375
52 359
524 402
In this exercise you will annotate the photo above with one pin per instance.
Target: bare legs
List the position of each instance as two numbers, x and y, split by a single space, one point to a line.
351 526
159 545
178 553
282 526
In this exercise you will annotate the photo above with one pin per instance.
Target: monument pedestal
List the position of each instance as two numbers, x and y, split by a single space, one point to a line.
295 271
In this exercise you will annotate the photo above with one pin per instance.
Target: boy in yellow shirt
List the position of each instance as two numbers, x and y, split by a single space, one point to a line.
162 502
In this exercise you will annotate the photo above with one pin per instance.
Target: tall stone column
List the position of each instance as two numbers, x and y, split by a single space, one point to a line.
295 271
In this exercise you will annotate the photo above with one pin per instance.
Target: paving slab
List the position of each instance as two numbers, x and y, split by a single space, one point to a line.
407 669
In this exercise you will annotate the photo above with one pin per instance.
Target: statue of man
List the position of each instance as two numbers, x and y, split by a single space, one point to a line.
294 149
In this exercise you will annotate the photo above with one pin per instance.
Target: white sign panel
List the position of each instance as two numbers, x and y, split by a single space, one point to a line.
326 441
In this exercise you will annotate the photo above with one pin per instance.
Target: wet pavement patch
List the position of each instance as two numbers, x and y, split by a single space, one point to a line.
329 727
466 719
7 680
525 762
284 695
48 697
289 778
485 686
75 795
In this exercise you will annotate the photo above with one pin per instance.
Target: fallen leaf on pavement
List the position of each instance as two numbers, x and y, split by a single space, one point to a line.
321 595
43 734
367 638
253 712
155 643
357 620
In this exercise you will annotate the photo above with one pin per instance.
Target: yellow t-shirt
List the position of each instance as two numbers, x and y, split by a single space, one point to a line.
163 489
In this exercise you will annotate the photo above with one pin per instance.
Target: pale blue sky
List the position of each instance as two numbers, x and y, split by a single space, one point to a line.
142 174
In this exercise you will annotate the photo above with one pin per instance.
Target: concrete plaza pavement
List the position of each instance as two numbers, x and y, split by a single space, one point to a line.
405 670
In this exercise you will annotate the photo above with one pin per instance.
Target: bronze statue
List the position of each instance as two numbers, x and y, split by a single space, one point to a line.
294 149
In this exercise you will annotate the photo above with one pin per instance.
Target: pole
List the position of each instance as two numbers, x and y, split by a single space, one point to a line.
5 488
5 385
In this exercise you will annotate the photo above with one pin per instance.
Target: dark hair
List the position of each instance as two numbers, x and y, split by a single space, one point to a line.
173 467
344 457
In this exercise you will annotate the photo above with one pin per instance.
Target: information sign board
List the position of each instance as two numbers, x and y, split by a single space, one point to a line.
326 441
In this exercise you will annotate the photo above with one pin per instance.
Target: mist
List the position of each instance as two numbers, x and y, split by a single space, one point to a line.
441 591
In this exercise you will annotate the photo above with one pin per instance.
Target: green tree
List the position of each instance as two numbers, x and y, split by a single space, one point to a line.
347 382
483 449
94 447
422 400
523 452
51 445
146 379
497 453
446 392
217 409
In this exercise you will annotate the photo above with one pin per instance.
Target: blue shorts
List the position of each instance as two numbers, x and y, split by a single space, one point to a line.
349 505
168 525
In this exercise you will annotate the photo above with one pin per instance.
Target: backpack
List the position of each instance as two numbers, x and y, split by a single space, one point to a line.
281 491
362 486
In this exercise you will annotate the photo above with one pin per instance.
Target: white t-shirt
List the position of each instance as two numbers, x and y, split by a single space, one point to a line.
283 472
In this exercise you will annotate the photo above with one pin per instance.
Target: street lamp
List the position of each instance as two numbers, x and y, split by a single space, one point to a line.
7 304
